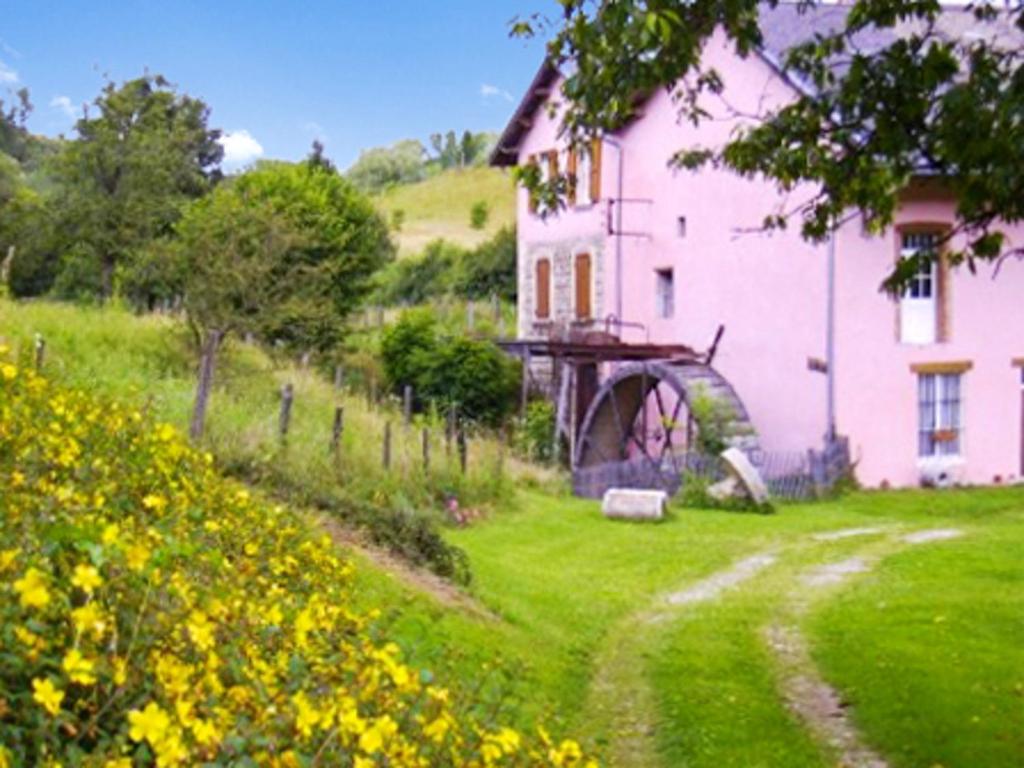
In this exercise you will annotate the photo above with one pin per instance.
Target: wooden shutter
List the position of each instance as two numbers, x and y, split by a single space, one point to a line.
552 165
595 171
573 166
583 280
942 308
543 288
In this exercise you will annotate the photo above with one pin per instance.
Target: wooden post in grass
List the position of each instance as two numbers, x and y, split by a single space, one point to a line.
449 428
407 404
524 395
463 448
373 393
470 315
337 428
339 376
425 438
496 307
40 352
387 445
285 417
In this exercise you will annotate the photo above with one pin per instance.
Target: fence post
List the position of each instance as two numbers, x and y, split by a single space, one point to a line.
470 316
426 450
407 404
373 393
524 395
338 428
449 428
387 445
380 316
40 351
285 417
463 448
339 376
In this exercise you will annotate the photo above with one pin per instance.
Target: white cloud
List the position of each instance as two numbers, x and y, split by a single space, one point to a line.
492 91
63 104
7 75
240 149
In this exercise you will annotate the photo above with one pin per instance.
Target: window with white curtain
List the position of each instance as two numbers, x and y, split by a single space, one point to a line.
940 408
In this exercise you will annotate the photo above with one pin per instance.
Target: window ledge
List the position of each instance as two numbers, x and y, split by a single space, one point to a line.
952 366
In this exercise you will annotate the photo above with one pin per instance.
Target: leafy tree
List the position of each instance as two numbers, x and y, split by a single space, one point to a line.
417 279
284 251
866 120
407 347
134 165
230 246
28 243
318 158
343 241
381 167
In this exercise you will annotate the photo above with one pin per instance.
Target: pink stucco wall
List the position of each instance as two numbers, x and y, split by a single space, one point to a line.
769 291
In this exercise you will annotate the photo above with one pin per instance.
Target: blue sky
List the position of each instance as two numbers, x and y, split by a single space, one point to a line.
353 73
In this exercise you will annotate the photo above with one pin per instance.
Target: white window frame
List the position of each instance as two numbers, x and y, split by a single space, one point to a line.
940 408
919 305
583 178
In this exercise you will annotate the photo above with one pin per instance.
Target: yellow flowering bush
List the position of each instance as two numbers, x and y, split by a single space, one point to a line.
152 612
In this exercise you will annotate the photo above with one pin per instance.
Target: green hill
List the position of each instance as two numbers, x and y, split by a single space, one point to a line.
439 207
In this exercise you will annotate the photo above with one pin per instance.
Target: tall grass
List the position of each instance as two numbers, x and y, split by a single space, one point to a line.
150 361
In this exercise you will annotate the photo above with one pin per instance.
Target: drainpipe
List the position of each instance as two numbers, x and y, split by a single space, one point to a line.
830 340
618 227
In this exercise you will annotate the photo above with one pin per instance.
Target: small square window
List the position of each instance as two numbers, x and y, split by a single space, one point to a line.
666 293
681 226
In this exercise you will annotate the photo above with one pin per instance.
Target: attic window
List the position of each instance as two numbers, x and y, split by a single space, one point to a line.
681 226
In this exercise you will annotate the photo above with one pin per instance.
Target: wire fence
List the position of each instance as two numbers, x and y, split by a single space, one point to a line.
790 475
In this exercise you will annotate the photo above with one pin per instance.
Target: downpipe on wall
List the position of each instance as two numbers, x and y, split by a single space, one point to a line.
618 225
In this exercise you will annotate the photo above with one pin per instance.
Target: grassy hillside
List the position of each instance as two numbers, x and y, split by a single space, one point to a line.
439 207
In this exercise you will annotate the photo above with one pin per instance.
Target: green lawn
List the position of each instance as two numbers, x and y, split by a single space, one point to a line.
925 645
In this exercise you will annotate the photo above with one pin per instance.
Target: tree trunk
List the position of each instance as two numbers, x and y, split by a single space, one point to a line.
207 361
107 278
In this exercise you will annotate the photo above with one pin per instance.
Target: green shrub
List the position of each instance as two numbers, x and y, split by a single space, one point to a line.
490 268
536 432
473 375
479 214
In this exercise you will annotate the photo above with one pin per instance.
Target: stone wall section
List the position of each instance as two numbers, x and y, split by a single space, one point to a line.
562 254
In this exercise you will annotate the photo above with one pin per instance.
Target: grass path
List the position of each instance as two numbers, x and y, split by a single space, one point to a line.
789 584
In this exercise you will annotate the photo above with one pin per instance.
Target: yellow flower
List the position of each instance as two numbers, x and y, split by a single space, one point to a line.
138 556
111 533
89 618
8 371
79 668
7 558
47 695
120 762
150 724
306 715
200 629
154 501
31 589
86 578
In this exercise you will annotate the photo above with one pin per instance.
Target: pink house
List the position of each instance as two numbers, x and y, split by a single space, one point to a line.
927 388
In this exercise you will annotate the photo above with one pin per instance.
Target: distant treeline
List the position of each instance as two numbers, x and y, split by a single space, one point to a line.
409 160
